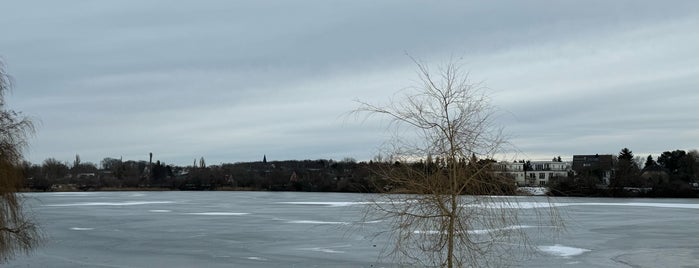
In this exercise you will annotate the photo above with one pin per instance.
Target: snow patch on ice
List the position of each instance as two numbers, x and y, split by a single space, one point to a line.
636 204
324 250
539 191
319 222
562 251
530 205
160 210
81 229
328 204
427 232
219 213
516 204
72 194
127 203
508 228
480 231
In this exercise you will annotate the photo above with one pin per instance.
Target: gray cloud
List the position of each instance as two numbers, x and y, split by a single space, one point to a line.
231 81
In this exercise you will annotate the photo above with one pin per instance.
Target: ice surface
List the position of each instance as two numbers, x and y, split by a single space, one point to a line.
319 222
219 213
562 251
329 204
127 203
640 231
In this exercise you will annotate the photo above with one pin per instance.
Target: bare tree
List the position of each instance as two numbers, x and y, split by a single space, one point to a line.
17 232
452 210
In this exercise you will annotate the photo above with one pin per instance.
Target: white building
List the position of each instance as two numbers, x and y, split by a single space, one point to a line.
514 170
538 173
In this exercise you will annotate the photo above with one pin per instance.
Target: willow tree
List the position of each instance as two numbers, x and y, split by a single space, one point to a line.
444 203
17 232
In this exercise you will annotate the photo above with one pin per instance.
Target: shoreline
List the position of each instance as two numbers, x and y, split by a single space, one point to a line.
522 191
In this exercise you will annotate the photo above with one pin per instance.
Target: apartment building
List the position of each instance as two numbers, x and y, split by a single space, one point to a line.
534 173
599 165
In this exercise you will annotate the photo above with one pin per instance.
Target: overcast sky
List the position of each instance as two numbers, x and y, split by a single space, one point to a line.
232 80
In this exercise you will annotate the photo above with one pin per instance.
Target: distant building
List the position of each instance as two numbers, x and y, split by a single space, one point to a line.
514 170
601 166
543 171
536 173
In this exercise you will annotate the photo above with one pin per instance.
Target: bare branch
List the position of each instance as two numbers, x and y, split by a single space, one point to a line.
442 166
17 232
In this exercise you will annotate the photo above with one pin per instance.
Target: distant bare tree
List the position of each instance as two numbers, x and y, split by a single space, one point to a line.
452 210
17 232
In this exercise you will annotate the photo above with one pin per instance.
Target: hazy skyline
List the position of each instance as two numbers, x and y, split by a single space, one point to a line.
232 81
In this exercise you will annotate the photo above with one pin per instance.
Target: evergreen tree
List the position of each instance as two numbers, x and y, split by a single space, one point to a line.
679 164
625 154
627 172
650 163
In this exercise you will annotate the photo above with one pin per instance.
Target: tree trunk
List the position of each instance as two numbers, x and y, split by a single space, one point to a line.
451 232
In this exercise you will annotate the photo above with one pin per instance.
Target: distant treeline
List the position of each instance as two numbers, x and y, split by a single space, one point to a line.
674 174
293 175
323 175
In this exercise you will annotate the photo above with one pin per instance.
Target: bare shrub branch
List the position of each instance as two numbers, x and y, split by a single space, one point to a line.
443 202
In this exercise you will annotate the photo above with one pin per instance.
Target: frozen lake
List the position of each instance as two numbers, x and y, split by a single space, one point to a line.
284 229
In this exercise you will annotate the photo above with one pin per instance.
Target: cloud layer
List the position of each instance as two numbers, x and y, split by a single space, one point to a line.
232 81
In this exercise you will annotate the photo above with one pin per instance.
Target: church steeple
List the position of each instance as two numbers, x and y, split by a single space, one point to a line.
264 159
